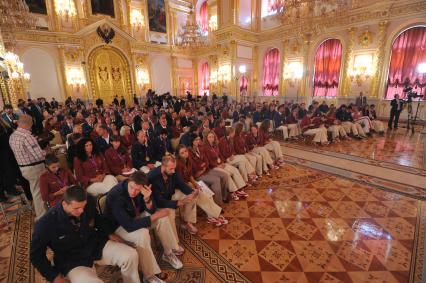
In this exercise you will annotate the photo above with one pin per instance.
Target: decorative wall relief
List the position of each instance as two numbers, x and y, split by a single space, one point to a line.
106 33
366 38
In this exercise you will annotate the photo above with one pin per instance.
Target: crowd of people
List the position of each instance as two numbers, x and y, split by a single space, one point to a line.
145 162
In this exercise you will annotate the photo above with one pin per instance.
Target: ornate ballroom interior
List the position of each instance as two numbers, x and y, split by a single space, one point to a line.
349 212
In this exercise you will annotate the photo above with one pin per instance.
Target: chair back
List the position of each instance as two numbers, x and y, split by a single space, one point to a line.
101 203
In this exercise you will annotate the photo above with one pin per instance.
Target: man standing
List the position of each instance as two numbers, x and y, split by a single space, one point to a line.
361 100
79 237
133 211
30 158
9 117
396 108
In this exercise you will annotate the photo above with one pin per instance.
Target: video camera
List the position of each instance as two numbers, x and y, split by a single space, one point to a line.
411 94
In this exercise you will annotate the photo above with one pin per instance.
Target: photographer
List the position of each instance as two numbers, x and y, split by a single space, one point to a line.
396 108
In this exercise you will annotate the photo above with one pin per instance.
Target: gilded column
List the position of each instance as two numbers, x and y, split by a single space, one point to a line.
234 70
256 15
379 58
283 55
255 78
67 90
195 70
347 63
304 83
173 76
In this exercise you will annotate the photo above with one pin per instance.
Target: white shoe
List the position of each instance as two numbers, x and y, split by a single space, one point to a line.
153 279
172 260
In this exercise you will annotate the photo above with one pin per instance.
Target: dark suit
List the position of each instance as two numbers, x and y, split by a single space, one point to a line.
160 147
395 111
65 130
141 155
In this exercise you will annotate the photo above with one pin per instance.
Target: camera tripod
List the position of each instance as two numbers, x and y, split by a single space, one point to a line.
413 118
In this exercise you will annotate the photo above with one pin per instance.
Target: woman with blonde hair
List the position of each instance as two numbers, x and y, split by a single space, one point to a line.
211 149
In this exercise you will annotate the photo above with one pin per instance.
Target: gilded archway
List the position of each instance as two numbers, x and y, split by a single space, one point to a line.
109 74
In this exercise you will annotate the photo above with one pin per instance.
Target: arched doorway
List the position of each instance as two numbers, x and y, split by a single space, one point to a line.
109 74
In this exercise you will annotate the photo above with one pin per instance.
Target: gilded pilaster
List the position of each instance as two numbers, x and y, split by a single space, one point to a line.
5 92
256 15
67 90
304 83
379 59
255 76
347 63
195 70
234 70
283 55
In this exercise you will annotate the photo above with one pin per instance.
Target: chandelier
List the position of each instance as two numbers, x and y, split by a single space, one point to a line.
191 35
15 16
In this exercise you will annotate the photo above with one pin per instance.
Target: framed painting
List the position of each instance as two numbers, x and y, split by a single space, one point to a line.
103 7
37 6
157 16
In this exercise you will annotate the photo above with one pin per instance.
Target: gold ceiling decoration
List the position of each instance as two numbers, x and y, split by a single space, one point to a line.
191 35
15 16
309 16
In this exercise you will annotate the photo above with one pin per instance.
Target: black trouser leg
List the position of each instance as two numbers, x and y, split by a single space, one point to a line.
392 116
395 125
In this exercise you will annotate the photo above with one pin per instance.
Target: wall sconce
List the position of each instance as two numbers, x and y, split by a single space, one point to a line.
293 72
213 23
65 9
137 19
362 69
225 73
213 77
75 78
242 69
142 78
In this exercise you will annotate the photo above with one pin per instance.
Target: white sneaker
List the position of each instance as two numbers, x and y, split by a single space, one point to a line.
172 260
153 279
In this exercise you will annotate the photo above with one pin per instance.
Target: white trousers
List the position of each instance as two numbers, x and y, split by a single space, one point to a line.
266 157
364 122
320 134
114 253
235 175
32 174
336 131
284 129
243 165
255 161
275 148
103 187
142 242
353 128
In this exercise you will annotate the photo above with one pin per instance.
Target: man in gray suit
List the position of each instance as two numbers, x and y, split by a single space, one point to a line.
361 100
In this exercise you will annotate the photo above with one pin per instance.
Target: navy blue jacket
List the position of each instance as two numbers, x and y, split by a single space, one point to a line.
71 246
120 209
163 192
139 153
279 119
102 144
160 147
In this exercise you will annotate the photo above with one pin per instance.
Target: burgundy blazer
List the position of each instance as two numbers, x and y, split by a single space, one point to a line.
240 146
263 137
86 170
220 132
128 141
117 162
252 141
51 183
199 162
226 148
185 169
213 155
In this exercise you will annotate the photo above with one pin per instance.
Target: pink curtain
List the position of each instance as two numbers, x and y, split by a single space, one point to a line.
205 77
275 5
270 80
204 16
327 68
408 51
243 83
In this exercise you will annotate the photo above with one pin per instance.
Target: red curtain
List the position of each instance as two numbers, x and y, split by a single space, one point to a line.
270 80
205 77
327 68
275 5
243 83
204 16
408 51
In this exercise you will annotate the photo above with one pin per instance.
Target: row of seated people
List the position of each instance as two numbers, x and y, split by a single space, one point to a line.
225 166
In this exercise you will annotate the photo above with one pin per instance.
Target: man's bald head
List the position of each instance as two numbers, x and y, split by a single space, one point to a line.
25 121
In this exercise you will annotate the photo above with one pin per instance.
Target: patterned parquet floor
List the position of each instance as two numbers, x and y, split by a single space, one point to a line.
298 225
396 146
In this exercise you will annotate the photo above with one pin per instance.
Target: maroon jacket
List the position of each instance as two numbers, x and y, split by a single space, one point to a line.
51 183
128 141
263 137
226 148
185 169
252 141
240 146
220 132
199 161
117 162
213 155
86 170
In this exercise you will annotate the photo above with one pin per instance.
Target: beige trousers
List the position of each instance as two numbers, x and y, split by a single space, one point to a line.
336 131
114 253
284 129
255 161
266 157
275 148
365 121
243 165
293 130
142 242
103 187
320 134
377 126
235 175
353 128
32 174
